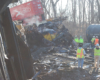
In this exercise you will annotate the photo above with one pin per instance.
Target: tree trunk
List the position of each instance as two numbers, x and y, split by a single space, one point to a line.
79 13
74 12
53 7
45 7
89 13
92 11
83 10
98 9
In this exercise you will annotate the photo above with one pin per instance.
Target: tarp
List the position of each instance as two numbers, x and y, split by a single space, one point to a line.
26 10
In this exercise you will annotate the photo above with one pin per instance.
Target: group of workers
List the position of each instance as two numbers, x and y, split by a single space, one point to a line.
81 52
94 40
95 43
79 40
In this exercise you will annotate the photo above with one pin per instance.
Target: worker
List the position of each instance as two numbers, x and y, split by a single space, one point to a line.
81 40
96 40
96 56
93 39
76 39
80 55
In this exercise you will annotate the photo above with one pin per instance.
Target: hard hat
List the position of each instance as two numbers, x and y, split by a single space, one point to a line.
97 45
96 36
80 36
75 36
93 36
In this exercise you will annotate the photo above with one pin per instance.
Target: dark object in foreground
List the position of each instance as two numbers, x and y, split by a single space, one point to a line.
16 66
34 38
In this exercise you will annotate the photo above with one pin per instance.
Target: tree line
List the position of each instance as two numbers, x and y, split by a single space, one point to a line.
79 11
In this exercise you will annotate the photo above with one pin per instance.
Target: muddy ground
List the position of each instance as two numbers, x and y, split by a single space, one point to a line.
63 66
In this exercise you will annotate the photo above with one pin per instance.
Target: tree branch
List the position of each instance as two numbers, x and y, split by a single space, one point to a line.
47 2
56 2
44 6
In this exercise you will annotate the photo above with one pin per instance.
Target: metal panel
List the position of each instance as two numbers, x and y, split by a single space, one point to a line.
12 44
27 10
22 11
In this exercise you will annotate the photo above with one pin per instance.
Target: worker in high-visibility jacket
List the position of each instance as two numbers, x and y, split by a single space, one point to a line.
93 41
76 39
80 55
81 40
96 40
97 56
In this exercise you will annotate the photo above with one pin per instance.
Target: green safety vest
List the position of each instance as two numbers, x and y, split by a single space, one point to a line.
96 52
81 40
92 40
80 53
76 40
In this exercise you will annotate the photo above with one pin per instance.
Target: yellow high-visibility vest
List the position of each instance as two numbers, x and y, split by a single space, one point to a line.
80 53
96 52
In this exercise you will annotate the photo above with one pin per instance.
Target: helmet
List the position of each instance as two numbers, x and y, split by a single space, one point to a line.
97 45
96 36
75 36
80 36
93 36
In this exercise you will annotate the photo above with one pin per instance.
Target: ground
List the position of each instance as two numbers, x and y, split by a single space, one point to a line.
63 66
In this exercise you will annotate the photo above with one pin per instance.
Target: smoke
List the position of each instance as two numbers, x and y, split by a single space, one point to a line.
30 21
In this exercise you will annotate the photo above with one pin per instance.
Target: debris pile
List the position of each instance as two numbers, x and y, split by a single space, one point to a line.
72 74
48 34
55 59
61 66
63 37
34 38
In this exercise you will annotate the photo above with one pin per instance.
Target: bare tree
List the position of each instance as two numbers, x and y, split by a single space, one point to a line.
54 7
83 10
98 3
62 12
79 13
89 13
74 12
92 11
45 4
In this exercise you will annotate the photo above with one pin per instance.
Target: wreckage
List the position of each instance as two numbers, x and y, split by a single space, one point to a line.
49 60
55 37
